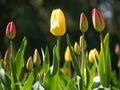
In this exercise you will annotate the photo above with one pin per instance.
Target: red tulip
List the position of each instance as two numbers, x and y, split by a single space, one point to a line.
98 20
11 30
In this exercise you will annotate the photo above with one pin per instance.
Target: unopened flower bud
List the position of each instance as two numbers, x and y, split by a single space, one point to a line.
68 55
29 64
11 30
76 48
82 41
117 49
36 58
118 63
83 23
92 54
98 20
58 24
85 75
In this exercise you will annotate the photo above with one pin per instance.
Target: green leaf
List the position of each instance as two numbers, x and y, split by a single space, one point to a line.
50 78
55 69
92 74
105 63
75 66
29 82
13 75
66 82
74 60
46 59
115 80
19 59
5 81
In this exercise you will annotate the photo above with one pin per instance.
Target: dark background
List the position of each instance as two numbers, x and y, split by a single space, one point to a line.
32 19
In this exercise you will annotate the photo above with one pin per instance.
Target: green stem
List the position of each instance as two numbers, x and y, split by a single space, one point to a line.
82 66
58 45
96 64
102 48
69 66
11 51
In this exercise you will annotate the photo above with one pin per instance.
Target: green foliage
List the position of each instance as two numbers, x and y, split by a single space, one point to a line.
105 63
5 80
19 59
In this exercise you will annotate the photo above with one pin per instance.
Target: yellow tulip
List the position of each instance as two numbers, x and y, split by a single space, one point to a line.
92 54
58 24
68 55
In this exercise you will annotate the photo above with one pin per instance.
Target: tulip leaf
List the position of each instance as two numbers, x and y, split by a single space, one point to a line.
29 82
66 82
75 66
50 78
19 59
49 81
74 60
55 61
46 59
5 81
105 63
92 74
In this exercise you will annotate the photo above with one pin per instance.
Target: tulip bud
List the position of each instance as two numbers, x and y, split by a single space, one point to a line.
92 54
118 64
76 48
58 24
98 20
84 42
117 49
83 23
85 75
29 64
36 58
68 55
11 30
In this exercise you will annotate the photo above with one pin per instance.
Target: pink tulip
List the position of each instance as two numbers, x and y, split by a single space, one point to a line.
98 20
11 30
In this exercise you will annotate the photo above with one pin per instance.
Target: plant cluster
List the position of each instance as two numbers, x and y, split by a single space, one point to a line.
91 70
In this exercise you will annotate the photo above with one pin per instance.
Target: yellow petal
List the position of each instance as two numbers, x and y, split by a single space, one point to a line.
58 24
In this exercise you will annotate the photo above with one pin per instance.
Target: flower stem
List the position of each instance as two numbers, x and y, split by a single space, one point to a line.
96 64
11 51
58 45
82 66
69 66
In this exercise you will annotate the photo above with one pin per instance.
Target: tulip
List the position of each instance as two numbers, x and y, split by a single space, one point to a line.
98 20
29 64
58 24
83 23
85 74
92 54
117 49
11 30
76 48
84 43
68 55
36 58
118 64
